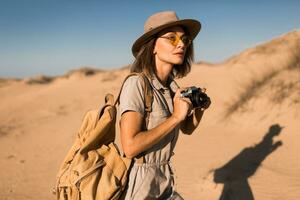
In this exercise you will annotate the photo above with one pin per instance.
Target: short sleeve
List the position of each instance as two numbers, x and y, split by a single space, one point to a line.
132 96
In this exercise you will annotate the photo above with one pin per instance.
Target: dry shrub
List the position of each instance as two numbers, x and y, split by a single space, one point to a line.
40 79
251 90
288 88
281 89
86 71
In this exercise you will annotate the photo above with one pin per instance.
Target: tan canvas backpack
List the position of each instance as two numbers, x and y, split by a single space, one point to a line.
93 169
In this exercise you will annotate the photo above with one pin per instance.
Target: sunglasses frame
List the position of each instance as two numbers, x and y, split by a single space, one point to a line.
177 39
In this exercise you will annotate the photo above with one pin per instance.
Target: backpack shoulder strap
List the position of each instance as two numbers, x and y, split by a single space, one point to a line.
148 94
119 94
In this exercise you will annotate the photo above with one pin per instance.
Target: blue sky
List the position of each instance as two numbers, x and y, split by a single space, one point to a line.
52 37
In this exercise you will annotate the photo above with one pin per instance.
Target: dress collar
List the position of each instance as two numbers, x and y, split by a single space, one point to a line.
159 86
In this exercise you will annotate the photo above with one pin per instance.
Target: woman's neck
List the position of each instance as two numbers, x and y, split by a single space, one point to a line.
163 71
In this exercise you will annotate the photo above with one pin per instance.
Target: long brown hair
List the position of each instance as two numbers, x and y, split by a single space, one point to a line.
145 61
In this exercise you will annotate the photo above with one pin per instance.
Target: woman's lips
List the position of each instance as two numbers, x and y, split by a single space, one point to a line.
179 54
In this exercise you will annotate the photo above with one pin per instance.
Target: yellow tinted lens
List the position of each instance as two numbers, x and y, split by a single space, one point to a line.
186 40
173 39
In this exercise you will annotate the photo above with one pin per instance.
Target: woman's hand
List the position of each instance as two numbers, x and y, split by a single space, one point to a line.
207 103
182 106
192 121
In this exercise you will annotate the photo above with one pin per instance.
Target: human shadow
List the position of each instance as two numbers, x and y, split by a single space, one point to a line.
234 174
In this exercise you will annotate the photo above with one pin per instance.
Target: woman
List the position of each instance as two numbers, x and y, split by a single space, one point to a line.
163 52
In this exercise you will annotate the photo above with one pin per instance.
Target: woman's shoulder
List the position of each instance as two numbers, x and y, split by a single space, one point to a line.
133 85
135 78
135 81
131 97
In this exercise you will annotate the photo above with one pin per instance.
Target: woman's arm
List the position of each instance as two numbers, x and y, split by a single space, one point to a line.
135 141
192 121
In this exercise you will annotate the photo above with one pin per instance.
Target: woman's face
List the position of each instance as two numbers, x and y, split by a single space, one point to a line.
170 46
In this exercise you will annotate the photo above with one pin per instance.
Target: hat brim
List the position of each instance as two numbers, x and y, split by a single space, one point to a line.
190 25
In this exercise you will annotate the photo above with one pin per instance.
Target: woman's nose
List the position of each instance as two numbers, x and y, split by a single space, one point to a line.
181 44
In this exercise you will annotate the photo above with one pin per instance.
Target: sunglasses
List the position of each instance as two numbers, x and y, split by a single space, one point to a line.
174 39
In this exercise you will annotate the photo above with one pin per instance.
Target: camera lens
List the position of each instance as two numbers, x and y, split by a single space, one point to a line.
199 99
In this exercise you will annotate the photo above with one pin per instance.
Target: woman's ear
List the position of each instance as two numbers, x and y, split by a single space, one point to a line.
154 48
154 51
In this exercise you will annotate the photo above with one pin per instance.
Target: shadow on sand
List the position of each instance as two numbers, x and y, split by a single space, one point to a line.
234 174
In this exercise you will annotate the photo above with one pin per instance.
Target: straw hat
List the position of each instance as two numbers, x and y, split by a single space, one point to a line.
162 20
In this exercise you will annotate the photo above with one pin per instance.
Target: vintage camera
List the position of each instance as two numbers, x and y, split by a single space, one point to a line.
197 97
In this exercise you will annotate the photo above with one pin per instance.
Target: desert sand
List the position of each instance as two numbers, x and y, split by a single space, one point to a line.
246 147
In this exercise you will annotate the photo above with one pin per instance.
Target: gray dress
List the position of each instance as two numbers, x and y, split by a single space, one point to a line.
154 178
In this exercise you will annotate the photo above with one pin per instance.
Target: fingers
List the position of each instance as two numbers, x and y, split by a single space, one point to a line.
178 92
187 100
206 105
183 100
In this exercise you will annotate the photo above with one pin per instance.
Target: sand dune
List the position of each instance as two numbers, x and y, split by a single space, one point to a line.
247 146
